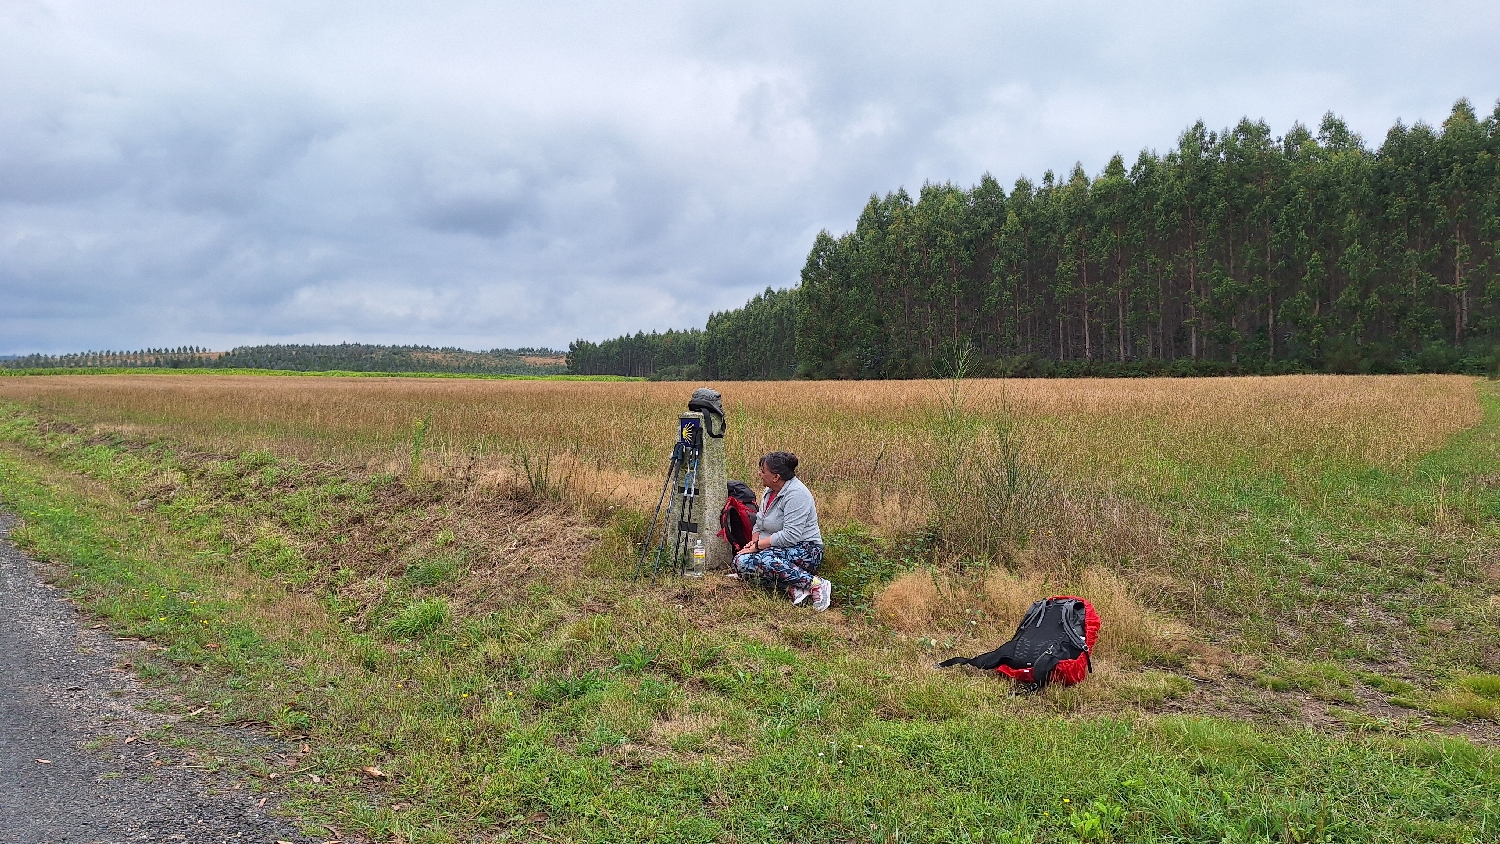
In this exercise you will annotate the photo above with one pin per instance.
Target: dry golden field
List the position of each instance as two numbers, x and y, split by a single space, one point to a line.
867 448
1247 564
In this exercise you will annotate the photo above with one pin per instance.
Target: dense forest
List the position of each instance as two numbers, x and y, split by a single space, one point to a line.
347 357
669 355
756 341
1235 251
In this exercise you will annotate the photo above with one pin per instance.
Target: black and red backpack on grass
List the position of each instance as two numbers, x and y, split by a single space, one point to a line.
1053 643
737 519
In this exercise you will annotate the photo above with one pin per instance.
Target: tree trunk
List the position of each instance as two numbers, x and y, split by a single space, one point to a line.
1088 345
1270 304
1120 293
1460 289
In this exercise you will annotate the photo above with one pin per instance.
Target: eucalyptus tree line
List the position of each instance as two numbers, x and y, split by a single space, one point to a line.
1235 251
671 353
755 341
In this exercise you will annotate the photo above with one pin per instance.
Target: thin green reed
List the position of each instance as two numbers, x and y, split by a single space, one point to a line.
419 429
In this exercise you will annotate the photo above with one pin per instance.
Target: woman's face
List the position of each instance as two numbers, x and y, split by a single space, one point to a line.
769 478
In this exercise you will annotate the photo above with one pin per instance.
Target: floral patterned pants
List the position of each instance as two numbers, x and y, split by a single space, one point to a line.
793 565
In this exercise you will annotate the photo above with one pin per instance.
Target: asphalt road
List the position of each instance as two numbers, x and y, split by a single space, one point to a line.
67 708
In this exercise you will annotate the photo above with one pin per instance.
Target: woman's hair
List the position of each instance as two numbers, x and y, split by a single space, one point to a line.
783 464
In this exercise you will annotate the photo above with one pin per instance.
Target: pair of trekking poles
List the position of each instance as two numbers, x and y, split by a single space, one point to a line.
687 455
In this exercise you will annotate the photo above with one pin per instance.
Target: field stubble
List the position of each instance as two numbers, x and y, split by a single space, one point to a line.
466 585
867 448
1061 481
1067 470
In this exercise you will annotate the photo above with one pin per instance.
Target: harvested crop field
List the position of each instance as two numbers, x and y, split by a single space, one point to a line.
1297 577
1144 435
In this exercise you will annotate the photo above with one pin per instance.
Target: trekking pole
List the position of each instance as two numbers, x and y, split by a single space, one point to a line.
660 499
685 525
663 555
686 457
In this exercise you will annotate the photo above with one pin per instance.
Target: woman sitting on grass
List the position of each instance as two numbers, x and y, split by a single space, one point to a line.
786 547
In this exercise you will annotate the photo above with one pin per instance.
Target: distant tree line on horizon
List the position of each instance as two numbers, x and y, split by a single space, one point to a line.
175 358
756 341
348 357
1234 252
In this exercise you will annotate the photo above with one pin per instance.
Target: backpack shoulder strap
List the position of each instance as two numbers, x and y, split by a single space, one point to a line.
984 662
1041 670
1034 616
1073 623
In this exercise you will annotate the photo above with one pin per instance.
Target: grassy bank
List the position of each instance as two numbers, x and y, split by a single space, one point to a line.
477 644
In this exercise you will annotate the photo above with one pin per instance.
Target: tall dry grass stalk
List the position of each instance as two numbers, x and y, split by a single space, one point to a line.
986 495
986 610
866 447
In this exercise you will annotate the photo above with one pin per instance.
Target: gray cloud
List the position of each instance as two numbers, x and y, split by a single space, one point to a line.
482 174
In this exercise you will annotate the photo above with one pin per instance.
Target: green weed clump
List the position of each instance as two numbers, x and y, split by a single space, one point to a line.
862 564
418 617
1324 681
432 572
272 556
1470 696
985 499
542 472
1482 685
986 495
1150 689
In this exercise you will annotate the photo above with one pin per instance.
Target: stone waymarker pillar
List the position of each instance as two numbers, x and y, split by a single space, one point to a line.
711 481
715 488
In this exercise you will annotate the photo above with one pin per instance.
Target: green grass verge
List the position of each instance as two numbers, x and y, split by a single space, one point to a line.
1376 569
597 710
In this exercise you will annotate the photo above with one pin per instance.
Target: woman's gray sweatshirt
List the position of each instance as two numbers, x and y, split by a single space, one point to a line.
789 517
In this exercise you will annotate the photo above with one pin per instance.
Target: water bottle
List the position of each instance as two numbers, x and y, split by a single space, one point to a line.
700 560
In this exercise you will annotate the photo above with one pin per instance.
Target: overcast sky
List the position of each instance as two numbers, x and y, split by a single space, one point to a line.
488 174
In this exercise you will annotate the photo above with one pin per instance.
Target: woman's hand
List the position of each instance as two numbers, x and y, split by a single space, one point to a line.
752 546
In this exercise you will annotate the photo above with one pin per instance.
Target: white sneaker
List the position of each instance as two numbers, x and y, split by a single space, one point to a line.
822 594
799 595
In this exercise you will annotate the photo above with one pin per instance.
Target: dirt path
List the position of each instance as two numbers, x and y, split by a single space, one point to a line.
63 699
